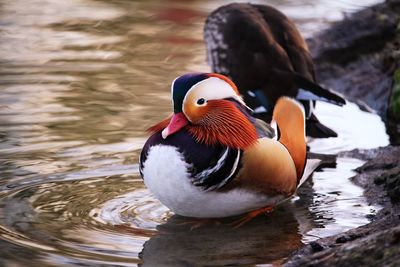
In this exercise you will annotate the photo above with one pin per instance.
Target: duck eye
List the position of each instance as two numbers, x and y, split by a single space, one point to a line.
201 101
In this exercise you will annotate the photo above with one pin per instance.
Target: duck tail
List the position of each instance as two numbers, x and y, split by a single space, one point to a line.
309 90
290 119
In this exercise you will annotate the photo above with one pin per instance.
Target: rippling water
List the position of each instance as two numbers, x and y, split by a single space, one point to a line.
80 81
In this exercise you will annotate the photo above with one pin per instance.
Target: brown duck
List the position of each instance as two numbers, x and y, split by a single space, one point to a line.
263 53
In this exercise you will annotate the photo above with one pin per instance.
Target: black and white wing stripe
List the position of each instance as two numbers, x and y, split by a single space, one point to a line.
208 167
221 173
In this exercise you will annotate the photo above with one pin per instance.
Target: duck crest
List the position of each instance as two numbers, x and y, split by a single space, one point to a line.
181 85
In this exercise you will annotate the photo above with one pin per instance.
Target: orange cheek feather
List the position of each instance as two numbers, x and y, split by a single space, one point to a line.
220 122
195 113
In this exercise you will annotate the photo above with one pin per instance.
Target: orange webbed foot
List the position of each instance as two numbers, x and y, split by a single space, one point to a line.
251 215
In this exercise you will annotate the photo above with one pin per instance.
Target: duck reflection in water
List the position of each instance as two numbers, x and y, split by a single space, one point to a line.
265 239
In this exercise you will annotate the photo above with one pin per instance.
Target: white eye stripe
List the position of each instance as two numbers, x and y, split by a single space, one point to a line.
213 88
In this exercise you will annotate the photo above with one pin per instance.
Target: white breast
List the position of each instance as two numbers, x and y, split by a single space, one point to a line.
166 175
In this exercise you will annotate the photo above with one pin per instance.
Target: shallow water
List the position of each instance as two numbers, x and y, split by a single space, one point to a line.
80 81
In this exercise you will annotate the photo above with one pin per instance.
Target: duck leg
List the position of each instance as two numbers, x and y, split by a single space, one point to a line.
251 215
195 223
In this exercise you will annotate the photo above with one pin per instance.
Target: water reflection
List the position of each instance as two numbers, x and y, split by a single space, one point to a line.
265 239
80 81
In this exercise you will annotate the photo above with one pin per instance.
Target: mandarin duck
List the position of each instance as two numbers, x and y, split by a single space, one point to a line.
263 53
212 158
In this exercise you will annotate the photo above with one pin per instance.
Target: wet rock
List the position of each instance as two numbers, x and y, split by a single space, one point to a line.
374 244
380 176
393 122
376 166
364 33
395 238
359 56
316 247
373 250
341 239
379 180
392 186
394 107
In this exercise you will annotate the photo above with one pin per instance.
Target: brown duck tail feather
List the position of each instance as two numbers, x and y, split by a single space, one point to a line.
309 90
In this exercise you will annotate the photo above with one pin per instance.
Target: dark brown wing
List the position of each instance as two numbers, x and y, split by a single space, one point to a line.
289 38
242 46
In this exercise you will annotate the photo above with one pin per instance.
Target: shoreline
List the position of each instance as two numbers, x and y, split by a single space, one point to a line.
359 58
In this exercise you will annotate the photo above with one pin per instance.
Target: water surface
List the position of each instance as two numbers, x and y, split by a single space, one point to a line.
80 81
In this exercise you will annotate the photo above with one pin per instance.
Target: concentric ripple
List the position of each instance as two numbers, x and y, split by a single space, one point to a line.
137 209
89 218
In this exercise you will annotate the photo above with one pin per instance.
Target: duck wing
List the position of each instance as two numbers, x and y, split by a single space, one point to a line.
208 167
241 45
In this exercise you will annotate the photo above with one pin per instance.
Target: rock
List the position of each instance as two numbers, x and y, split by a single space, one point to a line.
316 247
394 106
381 173
378 249
374 244
392 187
366 32
341 239
359 56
